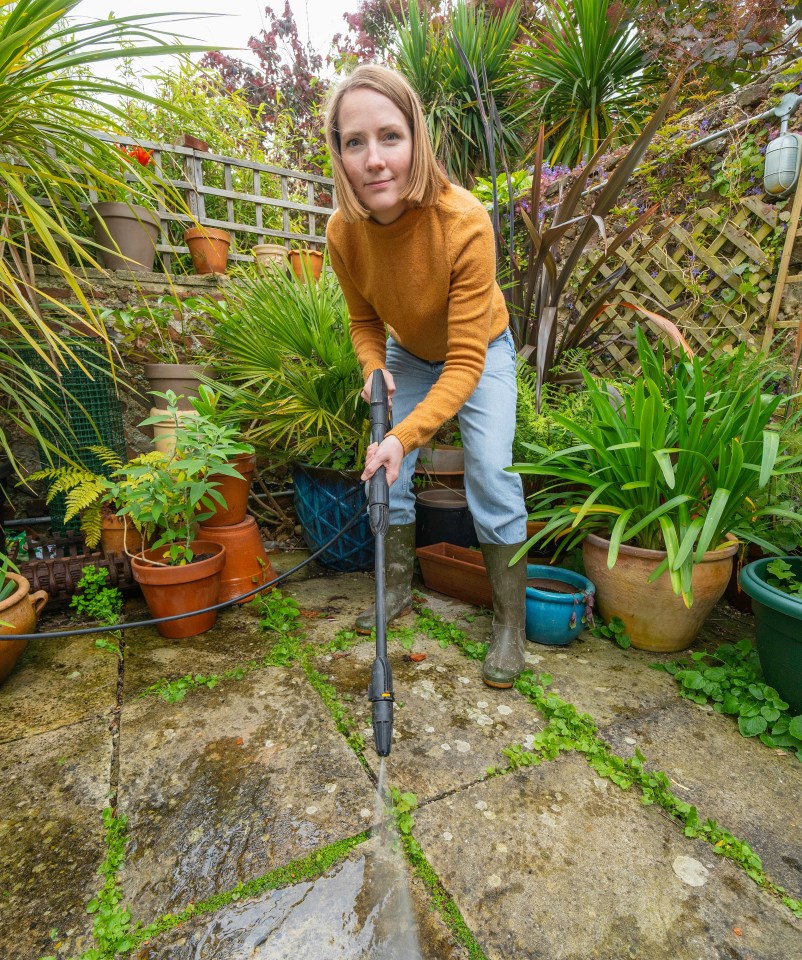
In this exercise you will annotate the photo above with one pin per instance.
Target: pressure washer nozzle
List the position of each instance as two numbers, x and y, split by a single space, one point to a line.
380 694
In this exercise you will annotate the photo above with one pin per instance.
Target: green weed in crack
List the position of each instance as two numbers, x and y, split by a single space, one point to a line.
94 600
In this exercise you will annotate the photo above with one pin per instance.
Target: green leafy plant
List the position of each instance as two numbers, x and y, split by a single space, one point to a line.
169 496
731 679
783 578
95 600
672 463
283 349
277 613
403 806
589 74
7 585
613 630
170 329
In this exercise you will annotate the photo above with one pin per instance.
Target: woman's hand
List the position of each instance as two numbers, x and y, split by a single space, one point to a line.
388 382
388 454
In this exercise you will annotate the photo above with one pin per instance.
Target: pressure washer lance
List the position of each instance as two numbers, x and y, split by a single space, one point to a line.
380 691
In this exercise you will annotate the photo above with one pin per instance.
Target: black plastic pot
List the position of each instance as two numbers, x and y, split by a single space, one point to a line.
442 516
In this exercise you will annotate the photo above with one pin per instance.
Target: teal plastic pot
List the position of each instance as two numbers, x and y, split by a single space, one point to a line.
778 626
556 603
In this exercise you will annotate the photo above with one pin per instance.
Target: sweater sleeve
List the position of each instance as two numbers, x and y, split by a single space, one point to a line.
367 328
470 305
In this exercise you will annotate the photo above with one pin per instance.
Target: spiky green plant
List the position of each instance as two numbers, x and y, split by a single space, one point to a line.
675 462
284 352
428 57
589 73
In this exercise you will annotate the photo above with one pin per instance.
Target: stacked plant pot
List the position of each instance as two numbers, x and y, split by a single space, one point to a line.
247 565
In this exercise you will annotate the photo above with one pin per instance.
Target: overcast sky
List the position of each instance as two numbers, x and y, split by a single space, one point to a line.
318 20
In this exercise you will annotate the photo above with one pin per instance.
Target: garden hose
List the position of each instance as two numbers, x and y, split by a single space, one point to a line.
380 691
108 628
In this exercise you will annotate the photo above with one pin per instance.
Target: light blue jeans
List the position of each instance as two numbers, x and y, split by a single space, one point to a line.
487 425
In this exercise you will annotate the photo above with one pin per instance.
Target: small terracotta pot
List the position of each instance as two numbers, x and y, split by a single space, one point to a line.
655 618
270 255
306 261
18 614
172 590
164 433
208 248
119 535
235 492
247 564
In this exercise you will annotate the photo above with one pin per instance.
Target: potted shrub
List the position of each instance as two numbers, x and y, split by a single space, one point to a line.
168 498
170 336
283 348
663 480
775 586
19 610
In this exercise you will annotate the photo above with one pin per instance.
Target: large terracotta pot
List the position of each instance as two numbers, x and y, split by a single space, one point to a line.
655 617
128 228
235 491
119 535
172 590
208 248
247 564
18 614
182 378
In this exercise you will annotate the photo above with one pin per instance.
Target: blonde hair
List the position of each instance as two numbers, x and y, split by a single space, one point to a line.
426 180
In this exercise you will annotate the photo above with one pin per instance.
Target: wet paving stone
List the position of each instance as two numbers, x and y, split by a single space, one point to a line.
448 726
556 863
54 788
230 784
680 740
367 906
56 683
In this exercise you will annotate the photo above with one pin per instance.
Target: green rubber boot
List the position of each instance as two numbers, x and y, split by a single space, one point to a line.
399 559
505 657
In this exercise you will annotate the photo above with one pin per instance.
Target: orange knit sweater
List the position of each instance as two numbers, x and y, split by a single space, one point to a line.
431 278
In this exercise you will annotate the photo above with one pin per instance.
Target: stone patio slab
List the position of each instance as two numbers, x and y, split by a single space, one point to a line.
728 778
448 726
366 906
230 784
56 683
556 863
54 788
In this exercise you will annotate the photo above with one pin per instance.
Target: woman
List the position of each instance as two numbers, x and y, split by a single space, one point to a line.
416 253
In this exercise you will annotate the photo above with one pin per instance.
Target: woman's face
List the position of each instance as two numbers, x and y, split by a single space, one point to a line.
376 149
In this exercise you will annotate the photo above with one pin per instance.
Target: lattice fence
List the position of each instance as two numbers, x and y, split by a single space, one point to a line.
712 272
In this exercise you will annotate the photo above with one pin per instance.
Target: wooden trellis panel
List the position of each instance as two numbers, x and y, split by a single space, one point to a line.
712 272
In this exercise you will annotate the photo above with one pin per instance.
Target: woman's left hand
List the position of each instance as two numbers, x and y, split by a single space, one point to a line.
388 454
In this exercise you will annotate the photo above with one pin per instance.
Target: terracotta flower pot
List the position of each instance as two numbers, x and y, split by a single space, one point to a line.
208 248
172 590
246 564
119 535
457 572
306 262
270 255
182 378
235 491
655 617
128 228
18 614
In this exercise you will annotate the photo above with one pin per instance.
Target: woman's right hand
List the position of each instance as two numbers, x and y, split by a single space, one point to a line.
388 382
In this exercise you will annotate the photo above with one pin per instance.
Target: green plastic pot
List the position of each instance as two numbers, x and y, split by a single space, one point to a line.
778 626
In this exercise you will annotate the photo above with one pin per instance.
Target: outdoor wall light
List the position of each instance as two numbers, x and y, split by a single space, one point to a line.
783 155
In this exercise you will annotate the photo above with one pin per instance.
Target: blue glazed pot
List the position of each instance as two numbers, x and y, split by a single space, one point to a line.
325 500
556 607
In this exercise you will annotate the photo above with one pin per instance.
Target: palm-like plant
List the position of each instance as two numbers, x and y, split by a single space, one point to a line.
590 74
284 351
429 58
674 463
47 95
